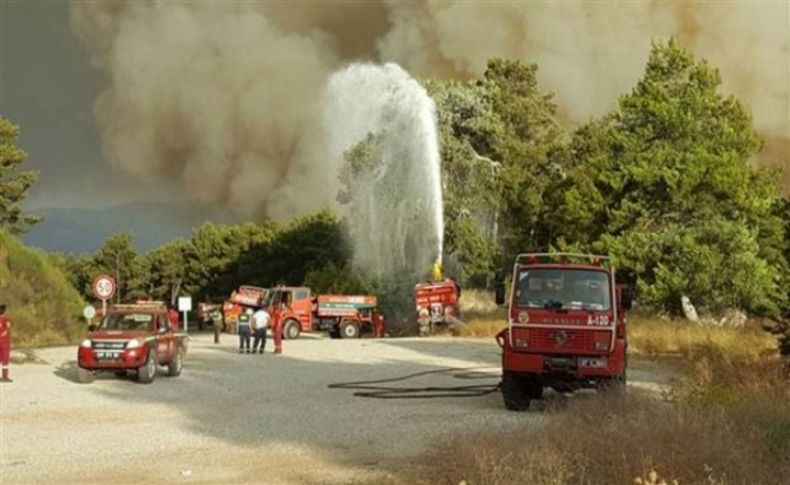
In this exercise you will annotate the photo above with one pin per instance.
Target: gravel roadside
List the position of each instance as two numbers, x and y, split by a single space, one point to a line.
233 418
238 418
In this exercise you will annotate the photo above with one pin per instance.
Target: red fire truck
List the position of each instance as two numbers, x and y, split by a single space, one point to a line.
245 297
437 304
566 326
346 316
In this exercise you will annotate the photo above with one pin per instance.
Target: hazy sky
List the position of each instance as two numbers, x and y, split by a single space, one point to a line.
48 88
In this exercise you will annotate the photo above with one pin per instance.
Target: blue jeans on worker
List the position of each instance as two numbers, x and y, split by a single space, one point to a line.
244 338
260 338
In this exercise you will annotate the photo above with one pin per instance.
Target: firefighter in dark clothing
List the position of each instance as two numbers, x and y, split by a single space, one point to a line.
5 345
244 331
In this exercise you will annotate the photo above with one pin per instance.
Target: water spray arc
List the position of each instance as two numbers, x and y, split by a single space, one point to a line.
393 184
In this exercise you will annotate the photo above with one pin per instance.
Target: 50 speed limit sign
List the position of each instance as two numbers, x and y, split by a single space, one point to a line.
104 287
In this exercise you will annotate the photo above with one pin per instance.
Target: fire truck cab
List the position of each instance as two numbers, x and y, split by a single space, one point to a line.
296 308
566 326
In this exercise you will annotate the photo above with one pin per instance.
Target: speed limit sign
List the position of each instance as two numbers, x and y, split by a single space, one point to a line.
104 287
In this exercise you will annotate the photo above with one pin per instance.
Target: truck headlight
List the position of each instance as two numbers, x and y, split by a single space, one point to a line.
133 344
86 344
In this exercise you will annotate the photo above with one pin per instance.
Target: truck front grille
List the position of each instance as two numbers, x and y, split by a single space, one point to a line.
108 345
561 340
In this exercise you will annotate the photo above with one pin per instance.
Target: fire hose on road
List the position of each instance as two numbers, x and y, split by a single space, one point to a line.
373 388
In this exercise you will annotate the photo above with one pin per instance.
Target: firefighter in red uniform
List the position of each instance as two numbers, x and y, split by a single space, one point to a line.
5 344
277 327
173 316
378 324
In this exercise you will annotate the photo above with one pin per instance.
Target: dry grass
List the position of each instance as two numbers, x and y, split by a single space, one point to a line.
699 438
647 335
480 314
727 421
654 336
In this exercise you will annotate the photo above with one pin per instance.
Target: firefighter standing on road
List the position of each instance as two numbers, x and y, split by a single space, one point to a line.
5 344
260 324
244 331
277 327
173 317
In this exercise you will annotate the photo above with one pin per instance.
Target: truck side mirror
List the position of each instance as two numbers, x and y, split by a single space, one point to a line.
500 294
628 298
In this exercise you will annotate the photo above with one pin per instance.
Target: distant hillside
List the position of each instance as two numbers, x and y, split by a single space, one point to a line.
151 224
44 308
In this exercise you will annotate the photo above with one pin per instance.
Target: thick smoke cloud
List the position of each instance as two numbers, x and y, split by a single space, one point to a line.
228 98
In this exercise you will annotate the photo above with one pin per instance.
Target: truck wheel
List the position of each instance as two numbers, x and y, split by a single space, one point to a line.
349 330
175 366
616 383
534 388
291 330
147 373
514 392
84 376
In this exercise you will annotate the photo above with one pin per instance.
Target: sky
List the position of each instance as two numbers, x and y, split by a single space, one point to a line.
48 88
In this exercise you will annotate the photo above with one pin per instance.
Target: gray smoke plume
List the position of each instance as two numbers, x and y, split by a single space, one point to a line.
226 98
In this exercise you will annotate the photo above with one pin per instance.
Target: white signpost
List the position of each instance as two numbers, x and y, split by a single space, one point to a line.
89 312
104 289
185 305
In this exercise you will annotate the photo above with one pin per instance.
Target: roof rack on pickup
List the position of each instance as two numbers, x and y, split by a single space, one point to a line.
595 259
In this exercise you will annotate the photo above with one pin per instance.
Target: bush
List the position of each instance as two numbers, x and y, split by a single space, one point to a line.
43 306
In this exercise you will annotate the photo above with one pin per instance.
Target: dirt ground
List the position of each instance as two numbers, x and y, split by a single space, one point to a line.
233 418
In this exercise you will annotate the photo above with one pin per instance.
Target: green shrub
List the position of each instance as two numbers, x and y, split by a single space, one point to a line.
43 306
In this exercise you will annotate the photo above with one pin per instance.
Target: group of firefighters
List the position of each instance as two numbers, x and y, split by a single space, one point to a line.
255 323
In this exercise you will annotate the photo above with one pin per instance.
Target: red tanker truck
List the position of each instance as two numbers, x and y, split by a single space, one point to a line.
437 305
343 316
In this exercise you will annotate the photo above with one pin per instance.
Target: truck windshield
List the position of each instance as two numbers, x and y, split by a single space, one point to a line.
563 289
127 321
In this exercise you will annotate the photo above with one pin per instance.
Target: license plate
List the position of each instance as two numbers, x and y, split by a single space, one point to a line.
589 362
107 355
560 362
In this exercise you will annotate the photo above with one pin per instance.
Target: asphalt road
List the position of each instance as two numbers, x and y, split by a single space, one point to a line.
233 418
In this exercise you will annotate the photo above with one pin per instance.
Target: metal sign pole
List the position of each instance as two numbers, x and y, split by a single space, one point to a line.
103 308
185 322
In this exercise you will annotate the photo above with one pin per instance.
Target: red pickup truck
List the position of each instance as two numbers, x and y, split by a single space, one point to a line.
137 338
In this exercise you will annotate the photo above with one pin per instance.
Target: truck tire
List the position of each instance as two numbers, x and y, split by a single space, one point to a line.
534 388
147 373
291 330
349 330
175 366
514 392
616 383
84 376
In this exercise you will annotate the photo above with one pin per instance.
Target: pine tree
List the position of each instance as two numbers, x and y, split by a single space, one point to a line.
13 183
